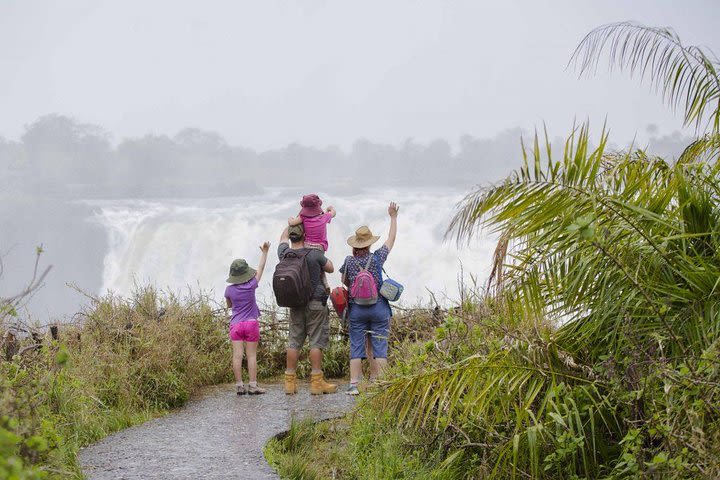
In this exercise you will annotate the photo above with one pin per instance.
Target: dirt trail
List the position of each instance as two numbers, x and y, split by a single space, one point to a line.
217 435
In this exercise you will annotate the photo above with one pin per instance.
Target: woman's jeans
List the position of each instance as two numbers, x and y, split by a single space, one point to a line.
372 319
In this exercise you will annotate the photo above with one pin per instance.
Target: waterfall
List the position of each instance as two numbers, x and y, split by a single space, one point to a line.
176 244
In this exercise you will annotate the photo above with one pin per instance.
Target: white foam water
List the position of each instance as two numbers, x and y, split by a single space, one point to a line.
174 244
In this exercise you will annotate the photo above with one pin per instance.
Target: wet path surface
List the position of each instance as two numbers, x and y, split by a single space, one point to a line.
217 435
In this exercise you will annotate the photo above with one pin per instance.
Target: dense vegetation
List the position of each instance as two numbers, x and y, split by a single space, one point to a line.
123 361
596 352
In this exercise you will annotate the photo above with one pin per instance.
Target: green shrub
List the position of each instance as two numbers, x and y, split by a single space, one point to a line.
126 361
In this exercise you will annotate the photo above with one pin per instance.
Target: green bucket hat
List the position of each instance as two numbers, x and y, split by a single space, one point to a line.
240 272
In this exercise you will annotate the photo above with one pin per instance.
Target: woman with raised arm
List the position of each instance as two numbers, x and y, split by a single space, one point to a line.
369 312
244 325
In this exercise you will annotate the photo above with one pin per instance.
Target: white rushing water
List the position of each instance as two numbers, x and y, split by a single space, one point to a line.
176 244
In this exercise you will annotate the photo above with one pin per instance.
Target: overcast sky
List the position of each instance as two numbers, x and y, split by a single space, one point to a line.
267 73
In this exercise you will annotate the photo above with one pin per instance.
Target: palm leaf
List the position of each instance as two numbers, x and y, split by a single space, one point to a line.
514 396
704 149
686 76
596 239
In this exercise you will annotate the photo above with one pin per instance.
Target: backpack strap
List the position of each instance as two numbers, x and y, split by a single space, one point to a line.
294 253
367 265
381 270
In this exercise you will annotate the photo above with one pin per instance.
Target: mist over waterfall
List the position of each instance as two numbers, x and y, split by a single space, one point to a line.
180 244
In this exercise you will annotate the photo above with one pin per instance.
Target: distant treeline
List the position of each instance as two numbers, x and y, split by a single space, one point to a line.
58 155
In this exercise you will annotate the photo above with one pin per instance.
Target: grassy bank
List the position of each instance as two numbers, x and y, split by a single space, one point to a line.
495 395
122 362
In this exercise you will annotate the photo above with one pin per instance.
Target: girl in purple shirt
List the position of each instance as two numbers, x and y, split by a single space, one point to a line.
244 326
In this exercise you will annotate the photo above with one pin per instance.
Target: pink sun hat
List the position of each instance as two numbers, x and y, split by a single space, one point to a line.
311 206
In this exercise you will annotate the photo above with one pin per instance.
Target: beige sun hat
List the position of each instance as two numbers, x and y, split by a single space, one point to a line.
363 238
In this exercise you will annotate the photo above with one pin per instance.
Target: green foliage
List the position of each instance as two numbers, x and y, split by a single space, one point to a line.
302 454
12 448
369 449
649 227
597 356
685 75
491 397
125 362
379 450
619 255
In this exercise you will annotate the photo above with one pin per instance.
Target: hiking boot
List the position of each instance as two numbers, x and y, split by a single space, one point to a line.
352 390
240 389
318 385
255 390
290 384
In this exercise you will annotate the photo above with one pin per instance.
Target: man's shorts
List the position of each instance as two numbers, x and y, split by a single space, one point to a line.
310 321
247 331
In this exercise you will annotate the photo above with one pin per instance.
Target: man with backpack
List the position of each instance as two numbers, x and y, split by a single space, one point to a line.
298 285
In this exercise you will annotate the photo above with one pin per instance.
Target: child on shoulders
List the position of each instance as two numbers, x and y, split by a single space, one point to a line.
314 221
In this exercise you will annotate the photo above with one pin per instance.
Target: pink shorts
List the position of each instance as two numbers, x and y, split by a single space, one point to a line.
247 331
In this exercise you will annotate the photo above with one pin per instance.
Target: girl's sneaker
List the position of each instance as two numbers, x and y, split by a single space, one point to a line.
352 390
255 390
240 389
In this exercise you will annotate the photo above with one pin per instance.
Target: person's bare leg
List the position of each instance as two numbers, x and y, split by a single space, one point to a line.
369 352
316 360
291 360
237 358
355 370
252 361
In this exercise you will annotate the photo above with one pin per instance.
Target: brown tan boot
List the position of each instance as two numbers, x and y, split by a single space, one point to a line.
318 385
290 384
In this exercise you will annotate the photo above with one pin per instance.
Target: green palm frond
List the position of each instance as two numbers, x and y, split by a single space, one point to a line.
704 149
514 396
543 178
686 76
599 239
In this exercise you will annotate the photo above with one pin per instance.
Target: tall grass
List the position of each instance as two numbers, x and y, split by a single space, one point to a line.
124 361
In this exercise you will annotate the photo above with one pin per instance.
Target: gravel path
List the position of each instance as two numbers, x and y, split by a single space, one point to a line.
217 435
